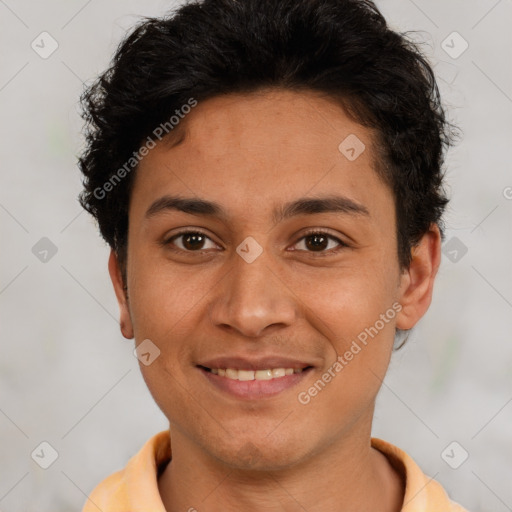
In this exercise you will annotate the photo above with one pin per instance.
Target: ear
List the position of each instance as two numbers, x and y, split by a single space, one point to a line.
122 298
417 282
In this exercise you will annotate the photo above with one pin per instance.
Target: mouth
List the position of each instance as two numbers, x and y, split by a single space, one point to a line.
254 384
248 375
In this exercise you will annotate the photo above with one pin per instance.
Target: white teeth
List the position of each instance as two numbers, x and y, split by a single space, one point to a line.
245 375
231 374
273 373
263 375
278 372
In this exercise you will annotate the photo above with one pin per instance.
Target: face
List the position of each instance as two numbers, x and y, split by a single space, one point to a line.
287 261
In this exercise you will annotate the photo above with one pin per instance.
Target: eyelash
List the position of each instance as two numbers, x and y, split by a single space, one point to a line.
342 245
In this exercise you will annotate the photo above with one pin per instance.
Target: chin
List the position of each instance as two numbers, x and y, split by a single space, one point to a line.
259 455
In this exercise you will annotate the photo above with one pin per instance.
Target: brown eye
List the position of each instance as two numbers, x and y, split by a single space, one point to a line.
318 241
191 241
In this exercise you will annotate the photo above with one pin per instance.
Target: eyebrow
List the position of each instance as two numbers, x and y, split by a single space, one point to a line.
301 206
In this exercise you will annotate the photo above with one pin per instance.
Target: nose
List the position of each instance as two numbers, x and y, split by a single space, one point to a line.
253 299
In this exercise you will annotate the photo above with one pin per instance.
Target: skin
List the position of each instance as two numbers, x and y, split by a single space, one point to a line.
250 153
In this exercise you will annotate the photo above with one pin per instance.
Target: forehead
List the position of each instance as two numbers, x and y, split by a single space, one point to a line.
261 149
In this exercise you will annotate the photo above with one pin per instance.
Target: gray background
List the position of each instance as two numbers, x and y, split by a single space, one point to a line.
68 377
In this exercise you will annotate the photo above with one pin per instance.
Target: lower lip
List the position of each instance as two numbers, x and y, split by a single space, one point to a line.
254 389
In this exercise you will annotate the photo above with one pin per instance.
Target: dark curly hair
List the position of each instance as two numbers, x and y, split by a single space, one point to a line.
205 48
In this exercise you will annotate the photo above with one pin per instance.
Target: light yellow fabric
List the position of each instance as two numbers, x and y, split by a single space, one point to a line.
135 488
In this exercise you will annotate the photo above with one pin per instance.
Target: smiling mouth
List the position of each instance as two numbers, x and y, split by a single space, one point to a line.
248 375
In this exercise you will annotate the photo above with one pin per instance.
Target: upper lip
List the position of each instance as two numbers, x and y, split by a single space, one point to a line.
259 363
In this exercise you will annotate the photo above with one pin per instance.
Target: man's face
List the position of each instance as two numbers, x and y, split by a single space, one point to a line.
305 299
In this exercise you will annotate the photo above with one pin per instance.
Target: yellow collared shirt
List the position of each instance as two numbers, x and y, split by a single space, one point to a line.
135 488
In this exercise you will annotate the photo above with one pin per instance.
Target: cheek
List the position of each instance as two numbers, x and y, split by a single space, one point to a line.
350 300
162 295
361 345
355 313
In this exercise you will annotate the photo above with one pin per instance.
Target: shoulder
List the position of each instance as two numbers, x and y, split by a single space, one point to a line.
422 493
136 485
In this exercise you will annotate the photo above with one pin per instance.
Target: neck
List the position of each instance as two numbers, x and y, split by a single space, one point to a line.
348 475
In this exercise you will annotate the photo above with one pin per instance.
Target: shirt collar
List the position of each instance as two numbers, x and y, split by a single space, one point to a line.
135 488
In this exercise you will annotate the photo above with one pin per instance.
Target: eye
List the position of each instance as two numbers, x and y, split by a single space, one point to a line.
315 241
318 241
192 241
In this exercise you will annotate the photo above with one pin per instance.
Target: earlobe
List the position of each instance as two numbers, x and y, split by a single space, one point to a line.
417 282
121 295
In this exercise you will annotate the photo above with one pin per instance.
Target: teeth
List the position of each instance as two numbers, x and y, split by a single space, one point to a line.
271 373
278 372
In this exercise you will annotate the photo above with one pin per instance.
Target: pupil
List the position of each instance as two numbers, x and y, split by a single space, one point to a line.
190 240
316 244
